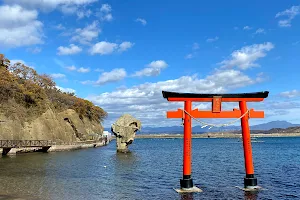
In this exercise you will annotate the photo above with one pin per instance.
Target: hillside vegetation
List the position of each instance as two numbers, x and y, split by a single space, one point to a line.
24 94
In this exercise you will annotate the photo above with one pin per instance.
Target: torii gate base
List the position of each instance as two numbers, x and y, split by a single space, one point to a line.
186 183
184 190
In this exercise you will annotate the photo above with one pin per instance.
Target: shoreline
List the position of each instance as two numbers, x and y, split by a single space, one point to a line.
57 148
216 135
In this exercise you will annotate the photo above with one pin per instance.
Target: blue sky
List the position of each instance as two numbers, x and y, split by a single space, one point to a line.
122 54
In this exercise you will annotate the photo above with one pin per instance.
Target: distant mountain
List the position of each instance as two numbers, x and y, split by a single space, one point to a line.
273 124
198 129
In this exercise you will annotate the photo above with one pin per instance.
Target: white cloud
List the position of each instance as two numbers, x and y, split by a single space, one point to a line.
158 64
19 27
224 76
83 13
67 90
124 46
153 69
112 76
105 12
247 28
246 56
71 68
284 23
290 14
281 110
261 77
87 34
147 72
98 70
12 62
57 76
67 33
83 70
189 56
68 9
195 47
66 6
283 105
80 14
212 39
72 49
88 82
105 48
14 16
260 31
35 50
142 21
291 94
107 17
146 103
105 8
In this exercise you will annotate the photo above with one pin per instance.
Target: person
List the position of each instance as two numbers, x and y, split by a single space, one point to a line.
105 140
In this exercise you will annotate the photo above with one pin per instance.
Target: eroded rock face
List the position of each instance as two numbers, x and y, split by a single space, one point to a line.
65 126
124 129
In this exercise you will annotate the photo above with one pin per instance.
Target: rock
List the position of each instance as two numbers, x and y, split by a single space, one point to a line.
124 129
65 126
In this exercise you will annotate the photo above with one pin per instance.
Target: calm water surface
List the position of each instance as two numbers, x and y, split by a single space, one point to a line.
152 170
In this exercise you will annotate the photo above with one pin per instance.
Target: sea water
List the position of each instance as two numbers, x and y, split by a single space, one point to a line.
152 170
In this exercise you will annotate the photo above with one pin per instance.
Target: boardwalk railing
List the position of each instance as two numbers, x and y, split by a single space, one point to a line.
41 143
25 143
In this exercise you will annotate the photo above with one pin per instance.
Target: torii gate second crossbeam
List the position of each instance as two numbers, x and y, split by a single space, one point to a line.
186 183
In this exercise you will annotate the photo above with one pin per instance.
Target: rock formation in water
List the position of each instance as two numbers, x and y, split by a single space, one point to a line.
124 129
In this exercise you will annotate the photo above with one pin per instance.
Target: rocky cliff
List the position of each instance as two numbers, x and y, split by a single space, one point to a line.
33 108
64 126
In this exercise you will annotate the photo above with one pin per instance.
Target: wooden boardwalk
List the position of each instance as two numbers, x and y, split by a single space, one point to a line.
7 145
41 145
25 143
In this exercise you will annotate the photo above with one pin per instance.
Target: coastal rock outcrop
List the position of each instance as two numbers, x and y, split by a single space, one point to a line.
33 107
124 129
65 126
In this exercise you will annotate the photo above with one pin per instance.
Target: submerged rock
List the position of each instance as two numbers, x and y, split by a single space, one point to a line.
124 129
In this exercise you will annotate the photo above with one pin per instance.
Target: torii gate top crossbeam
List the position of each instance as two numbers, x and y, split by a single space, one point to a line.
248 97
216 100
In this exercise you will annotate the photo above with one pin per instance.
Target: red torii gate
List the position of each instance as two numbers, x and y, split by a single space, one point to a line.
186 183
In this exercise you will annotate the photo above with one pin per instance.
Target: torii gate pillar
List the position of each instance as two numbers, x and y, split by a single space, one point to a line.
249 181
186 183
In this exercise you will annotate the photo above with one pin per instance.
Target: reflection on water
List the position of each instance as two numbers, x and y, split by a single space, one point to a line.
124 175
128 158
251 195
187 196
247 196
152 170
